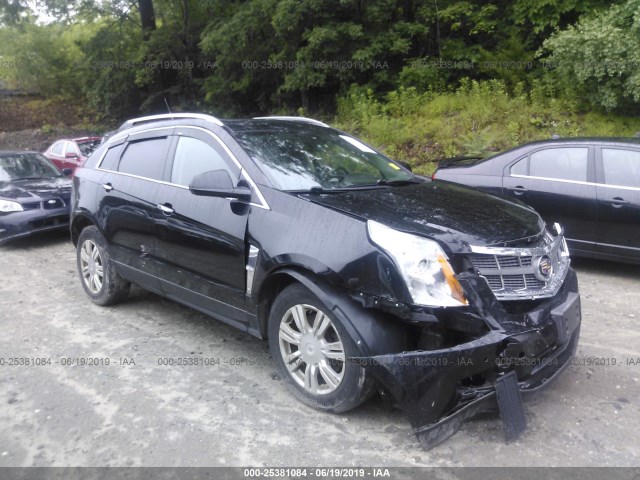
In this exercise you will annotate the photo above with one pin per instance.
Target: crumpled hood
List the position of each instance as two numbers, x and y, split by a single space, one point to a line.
453 214
24 191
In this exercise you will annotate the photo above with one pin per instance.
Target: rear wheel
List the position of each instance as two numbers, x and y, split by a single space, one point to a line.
312 348
100 281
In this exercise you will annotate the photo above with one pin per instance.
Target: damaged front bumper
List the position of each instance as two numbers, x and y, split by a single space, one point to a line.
440 389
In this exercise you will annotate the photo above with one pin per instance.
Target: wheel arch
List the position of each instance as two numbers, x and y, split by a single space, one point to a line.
79 223
373 331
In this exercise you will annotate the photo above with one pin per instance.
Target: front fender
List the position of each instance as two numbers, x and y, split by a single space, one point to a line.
373 331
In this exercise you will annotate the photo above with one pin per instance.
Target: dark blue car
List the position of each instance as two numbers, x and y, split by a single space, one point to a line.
34 195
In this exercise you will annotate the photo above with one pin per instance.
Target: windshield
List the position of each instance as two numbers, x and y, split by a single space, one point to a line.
87 147
318 158
21 166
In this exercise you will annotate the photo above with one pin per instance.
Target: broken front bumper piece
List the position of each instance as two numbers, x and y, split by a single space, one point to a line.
440 389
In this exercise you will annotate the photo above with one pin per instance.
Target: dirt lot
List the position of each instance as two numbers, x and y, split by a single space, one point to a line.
237 413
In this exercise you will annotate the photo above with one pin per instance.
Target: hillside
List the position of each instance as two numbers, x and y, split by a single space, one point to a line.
31 123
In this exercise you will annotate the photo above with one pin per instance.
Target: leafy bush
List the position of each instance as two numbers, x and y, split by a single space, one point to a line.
599 58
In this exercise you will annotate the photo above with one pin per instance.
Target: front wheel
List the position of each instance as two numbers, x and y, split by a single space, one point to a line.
312 349
100 281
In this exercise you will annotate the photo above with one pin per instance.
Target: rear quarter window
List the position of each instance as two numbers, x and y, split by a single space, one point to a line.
520 167
58 148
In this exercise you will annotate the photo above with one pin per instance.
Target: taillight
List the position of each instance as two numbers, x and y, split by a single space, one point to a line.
433 177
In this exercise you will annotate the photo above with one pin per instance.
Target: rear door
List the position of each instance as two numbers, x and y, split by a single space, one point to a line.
133 176
618 193
559 183
201 240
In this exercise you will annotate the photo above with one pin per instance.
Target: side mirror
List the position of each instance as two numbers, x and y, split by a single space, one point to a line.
70 155
218 183
67 171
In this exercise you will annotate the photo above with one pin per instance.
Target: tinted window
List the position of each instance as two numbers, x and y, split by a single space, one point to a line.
111 158
145 158
519 168
194 157
57 148
560 163
621 167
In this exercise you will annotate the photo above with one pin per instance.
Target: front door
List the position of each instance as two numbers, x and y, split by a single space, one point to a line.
200 239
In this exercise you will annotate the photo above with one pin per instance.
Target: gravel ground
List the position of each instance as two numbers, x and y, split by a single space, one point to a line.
135 412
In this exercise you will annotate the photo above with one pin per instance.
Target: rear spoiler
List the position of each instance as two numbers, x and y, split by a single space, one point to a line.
462 161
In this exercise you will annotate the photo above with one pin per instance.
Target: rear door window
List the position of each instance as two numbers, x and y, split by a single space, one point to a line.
621 167
111 158
145 158
570 163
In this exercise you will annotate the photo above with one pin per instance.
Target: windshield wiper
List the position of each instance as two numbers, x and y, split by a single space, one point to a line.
321 190
362 186
399 183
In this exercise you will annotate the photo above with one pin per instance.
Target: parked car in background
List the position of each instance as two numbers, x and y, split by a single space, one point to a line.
34 195
362 276
72 153
589 185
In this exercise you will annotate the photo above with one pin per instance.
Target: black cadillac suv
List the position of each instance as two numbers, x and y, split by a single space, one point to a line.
363 277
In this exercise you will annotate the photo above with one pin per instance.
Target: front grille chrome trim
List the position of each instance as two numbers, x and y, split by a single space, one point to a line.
512 274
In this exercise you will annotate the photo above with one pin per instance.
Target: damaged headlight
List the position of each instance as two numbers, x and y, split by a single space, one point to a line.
7 206
564 249
423 264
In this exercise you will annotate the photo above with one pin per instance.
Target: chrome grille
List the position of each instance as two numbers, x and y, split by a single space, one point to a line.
499 262
499 282
514 273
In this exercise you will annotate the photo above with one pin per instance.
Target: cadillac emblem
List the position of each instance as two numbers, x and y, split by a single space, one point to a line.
544 268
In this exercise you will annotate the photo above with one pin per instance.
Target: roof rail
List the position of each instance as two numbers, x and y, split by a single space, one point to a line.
294 119
168 116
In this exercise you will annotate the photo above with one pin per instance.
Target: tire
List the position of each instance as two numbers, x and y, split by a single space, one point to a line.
316 346
99 278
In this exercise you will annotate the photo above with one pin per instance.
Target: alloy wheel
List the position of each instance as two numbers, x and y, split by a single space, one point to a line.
91 266
312 350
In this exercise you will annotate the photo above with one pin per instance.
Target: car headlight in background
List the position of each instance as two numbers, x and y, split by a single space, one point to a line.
7 206
423 264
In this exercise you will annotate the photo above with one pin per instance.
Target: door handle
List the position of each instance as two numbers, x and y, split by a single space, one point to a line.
618 202
166 208
107 187
519 190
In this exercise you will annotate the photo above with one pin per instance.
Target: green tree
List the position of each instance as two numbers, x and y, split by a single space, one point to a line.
599 58
44 59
